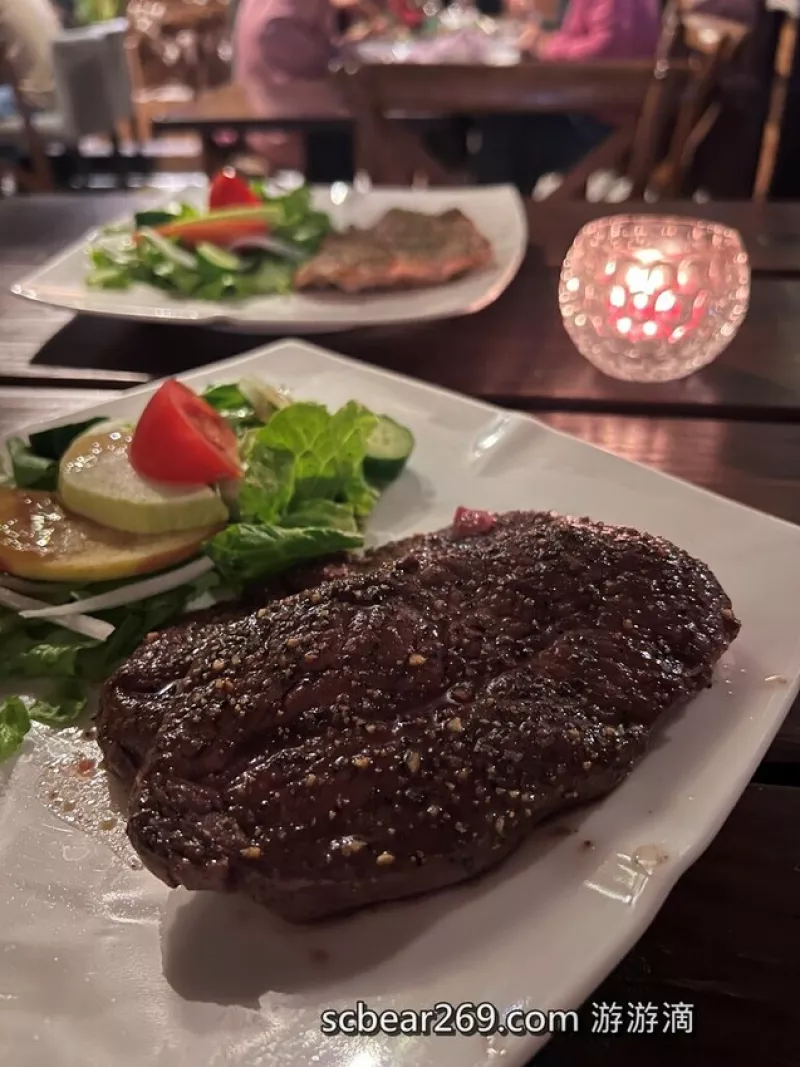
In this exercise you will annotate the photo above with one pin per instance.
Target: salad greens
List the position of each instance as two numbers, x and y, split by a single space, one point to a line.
28 469
233 406
311 478
66 664
302 493
34 463
248 551
53 443
15 721
189 253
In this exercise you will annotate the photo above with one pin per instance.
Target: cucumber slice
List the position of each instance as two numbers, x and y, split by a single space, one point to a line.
388 449
170 251
220 260
97 481
107 278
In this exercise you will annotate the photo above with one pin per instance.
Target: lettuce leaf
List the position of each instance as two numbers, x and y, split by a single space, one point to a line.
269 482
14 725
71 703
30 471
302 493
363 496
296 219
246 552
323 513
37 649
40 650
329 449
53 443
17 713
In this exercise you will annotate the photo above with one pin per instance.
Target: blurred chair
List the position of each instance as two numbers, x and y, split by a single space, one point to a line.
665 107
380 94
25 158
709 45
785 55
92 95
681 107
195 37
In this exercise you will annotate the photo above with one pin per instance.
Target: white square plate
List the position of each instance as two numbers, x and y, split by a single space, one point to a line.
497 211
102 964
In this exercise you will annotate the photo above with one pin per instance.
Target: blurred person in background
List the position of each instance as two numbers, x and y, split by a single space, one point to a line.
546 13
523 148
27 31
598 29
282 51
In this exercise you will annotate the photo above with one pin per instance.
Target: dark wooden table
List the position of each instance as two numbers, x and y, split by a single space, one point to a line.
727 939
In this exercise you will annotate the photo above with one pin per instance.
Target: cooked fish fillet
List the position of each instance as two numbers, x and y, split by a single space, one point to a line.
405 248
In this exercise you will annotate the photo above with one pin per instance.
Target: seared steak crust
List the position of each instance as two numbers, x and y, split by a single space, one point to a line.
134 699
399 730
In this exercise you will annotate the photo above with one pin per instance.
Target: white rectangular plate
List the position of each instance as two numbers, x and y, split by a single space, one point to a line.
102 964
497 211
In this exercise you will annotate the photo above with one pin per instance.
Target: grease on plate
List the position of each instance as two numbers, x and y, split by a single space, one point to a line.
75 786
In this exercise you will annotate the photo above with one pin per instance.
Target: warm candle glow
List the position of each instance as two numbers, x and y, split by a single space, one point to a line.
617 297
665 301
650 298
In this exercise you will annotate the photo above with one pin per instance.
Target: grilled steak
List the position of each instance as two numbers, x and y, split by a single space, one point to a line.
406 248
133 702
398 730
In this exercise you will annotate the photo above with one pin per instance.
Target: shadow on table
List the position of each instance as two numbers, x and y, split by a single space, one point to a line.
533 364
115 345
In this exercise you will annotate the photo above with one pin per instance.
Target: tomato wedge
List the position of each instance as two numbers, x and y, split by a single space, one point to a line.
181 440
229 190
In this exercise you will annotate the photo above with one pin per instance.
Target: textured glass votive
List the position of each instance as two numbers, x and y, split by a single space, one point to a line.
651 299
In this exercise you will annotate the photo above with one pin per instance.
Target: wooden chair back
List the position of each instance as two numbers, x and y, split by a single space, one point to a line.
783 65
708 45
379 94
680 107
38 175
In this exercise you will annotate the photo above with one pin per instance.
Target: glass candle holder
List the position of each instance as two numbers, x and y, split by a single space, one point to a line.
651 299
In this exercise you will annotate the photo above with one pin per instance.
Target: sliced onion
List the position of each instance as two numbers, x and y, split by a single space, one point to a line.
264 399
24 585
268 244
78 623
127 594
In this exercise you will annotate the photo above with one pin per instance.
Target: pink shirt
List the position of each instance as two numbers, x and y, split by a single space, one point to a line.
605 29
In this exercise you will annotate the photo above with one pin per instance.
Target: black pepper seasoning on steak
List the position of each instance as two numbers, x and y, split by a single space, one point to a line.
133 701
399 730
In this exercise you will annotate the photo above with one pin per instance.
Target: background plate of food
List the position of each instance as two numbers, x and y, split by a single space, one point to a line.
101 963
321 259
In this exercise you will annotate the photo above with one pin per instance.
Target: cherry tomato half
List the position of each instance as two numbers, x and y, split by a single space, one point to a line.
229 190
180 439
